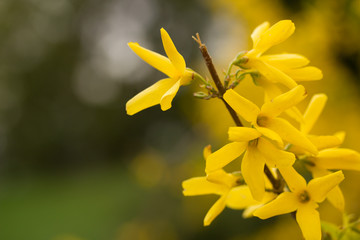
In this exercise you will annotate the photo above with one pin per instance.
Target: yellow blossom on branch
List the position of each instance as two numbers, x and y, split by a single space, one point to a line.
164 90
303 199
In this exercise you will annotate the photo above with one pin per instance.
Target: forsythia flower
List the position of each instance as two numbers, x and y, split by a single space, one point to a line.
303 199
164 90
280 68
258 151
266 119
232 194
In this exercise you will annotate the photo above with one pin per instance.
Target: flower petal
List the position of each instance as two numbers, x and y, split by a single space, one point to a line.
293 179
271 73
305 74
242 134
286 202
222 177
286 60
241 105
149 97
324 142
270 134
284 101
207 151
165 101
161 63
215 210
240 198
313 111
320 187
308 219
224 155
290 134
276 34
252 168
175 57
201 186
338 158
258 31
275 157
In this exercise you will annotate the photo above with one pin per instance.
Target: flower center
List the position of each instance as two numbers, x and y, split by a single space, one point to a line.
253 143
304 197
261 120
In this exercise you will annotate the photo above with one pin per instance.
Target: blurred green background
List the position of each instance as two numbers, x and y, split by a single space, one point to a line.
74 166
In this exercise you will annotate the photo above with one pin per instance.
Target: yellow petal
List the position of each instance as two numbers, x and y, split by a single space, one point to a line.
207 151
338 158
240 198
242 134
293 179
271 73
161 63
309 221
335 196
319 187
295 114
305 74
286 202
165 101
215 210
278 33
284 101
241 105
222 177
224 155
258 31
275 157
149 97
175 57
252 168
341 135
270 134
323 142
200 186
286 60
290 134
313 112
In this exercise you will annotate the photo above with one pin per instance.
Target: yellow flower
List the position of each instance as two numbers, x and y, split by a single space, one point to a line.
164 90
266 119
280 68
258 151
303 199
232 194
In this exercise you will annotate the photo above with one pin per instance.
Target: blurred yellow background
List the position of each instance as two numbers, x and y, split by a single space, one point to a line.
74 166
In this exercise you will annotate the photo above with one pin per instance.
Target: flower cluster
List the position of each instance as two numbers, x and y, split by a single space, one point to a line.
267 184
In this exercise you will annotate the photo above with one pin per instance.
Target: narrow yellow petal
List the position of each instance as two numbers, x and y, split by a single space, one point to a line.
222 177
215 210
241 105
293 179
338 158
318 188
284 101
324 142
252 168
207 151
271 135
275 157
290 134
341 135
295 114
276 34
258 31
305 74
224 155
271 73
242 134
240 198
149 97
161 63
313 111
308 219
201 186
286 202
335 196
286 60
165 101
175 57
